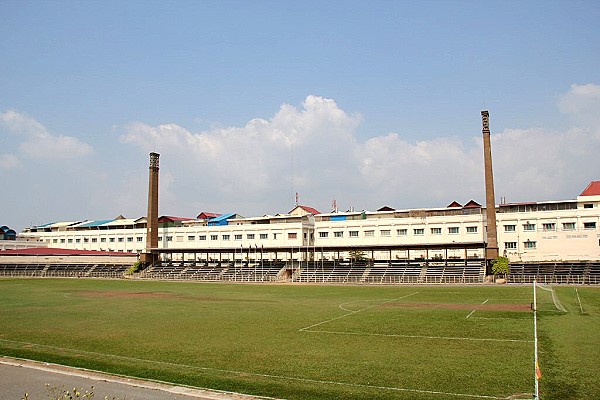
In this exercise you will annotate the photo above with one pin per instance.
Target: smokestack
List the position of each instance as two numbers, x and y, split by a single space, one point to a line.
152 217
491 251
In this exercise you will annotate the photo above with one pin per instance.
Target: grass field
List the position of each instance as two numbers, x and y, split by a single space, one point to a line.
312 342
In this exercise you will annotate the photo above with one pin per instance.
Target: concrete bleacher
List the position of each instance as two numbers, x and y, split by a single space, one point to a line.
66 270
563 272
265 271
391 272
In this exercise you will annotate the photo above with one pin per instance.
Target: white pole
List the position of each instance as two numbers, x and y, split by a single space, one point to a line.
535 344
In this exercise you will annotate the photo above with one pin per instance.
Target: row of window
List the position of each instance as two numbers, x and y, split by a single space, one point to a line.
549 226
513 245
453 230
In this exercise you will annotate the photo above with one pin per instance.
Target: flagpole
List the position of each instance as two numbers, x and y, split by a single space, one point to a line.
537 372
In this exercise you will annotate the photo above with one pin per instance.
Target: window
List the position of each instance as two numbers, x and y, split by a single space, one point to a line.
549 227
129 240
402 232
510 245
353 234
69 240
112 240
264 236
120 240
140 239
202 237
589 225
274 236
62 240
76 240
214 237
102 240
292 235
169 239
250 236
419 231
510 228
471 229
453 230
569 226
226 237
338 234
54 240
529 227
436 231
191 238
385 233
370 233
94 240
237 236
86 240
588 205
323 235
530 245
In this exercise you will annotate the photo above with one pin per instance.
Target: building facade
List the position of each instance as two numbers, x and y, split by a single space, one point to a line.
566 230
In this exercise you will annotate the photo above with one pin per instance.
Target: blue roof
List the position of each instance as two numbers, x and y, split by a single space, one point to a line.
93 224
44 225
222 217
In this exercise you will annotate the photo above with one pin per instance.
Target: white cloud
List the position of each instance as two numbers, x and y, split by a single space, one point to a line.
250 169
39 143
9 161
582 103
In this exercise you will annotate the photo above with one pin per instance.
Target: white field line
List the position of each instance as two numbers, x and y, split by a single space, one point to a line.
471 313
350 312
354 312
271 376
421 336
579 300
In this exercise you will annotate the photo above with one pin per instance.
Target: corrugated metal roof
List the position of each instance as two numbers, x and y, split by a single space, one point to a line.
93 224
222 217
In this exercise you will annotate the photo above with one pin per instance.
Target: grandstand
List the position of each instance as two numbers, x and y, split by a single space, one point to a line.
556 272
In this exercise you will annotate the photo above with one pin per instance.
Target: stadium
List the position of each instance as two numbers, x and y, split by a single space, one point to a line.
385 304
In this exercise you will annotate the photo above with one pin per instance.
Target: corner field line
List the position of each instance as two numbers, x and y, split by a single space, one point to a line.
289 378
354 312
421 336
471 313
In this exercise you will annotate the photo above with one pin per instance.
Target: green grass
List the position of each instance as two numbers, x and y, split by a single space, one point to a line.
310 342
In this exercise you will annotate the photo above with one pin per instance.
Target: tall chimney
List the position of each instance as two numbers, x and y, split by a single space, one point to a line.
491 251
152 217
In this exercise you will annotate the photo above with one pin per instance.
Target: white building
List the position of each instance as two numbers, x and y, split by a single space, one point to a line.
566 230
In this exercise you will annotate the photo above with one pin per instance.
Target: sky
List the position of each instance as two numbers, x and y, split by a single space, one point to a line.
370 103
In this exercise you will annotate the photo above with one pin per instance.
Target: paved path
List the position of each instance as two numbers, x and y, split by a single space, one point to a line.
18 377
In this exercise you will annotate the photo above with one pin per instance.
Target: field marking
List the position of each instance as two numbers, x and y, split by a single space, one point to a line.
354 312
243 373
421 336
471 313
579 300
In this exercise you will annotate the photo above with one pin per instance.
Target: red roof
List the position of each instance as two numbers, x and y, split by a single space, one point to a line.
50 251
168 218
311 210
593 189
207 215
472 204
454 204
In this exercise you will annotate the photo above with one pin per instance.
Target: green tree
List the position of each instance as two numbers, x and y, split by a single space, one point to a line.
500 266
357 255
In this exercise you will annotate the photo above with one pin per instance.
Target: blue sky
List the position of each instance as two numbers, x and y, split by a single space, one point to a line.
370 103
